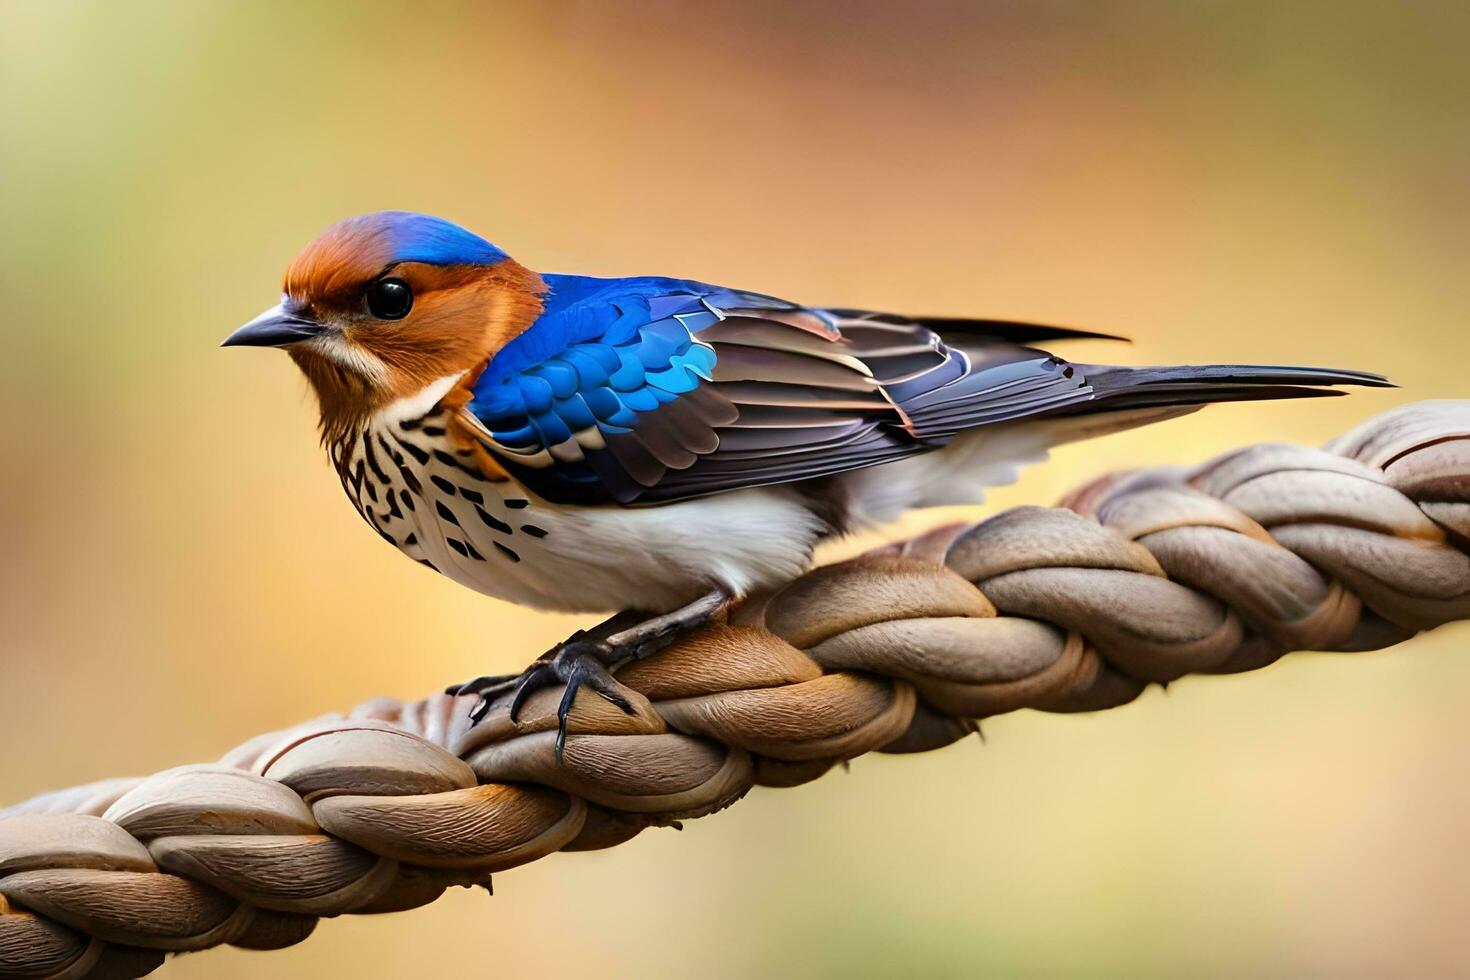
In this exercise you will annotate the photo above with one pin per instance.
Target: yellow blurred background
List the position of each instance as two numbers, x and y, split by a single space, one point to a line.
1282 182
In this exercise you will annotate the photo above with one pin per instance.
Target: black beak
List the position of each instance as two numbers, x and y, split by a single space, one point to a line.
276 327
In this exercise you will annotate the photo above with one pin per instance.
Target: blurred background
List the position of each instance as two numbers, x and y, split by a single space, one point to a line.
1268 181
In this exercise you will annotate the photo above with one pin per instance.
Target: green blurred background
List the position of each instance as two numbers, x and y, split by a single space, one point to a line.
1285 182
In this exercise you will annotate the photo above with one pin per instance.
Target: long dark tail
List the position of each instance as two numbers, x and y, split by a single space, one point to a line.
1117 388
1121 388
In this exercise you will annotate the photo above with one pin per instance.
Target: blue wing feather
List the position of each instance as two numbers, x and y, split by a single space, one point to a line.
604 354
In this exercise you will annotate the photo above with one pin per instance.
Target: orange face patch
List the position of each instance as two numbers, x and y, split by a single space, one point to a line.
333 270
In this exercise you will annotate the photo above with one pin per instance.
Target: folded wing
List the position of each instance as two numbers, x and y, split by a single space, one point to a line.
653 390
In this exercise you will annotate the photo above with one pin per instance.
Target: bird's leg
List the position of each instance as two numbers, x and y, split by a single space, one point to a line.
589 657
642 639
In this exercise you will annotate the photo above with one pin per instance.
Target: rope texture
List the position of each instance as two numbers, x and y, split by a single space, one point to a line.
1136 578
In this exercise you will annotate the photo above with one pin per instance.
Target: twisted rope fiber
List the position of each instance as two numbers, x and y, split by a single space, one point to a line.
1138 578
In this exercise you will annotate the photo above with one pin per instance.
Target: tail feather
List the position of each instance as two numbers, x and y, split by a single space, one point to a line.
1015 331
1117 388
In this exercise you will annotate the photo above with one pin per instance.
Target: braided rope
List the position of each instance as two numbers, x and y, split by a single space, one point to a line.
1138 578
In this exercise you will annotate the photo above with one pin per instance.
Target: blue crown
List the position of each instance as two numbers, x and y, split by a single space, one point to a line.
425 238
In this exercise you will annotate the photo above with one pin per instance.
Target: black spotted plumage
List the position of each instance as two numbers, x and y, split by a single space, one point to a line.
420 455
491 521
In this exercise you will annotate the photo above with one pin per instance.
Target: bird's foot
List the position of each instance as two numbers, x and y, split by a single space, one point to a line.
589 658
579 661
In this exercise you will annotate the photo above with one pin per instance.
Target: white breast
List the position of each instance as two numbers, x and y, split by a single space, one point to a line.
405 477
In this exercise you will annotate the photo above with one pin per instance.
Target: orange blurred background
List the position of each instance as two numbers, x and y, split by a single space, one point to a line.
1281 182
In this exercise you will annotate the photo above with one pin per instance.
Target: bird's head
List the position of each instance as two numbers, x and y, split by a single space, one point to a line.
381 305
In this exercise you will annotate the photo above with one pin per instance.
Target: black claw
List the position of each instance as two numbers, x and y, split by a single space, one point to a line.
540 674
564 710
575 680
586 668
483 685
604 685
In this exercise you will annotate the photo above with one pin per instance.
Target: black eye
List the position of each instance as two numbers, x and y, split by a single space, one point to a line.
389 299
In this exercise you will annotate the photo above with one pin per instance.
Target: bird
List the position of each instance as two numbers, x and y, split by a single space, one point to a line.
655 447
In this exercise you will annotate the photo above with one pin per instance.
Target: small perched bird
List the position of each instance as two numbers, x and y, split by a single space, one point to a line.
661 445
